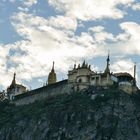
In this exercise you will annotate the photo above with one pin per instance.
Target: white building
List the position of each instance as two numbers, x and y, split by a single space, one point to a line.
15 89
79 78
126 82
82 77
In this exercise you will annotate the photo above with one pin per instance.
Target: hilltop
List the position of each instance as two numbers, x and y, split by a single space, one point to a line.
105 114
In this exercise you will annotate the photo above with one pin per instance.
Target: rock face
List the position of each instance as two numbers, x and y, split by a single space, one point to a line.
92 115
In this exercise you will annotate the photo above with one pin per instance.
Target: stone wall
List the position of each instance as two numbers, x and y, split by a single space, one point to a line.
41 93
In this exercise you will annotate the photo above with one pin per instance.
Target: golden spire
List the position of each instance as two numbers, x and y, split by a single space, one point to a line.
52 76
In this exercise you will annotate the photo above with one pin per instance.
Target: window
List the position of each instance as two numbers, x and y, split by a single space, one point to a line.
17 89
80 80
93 78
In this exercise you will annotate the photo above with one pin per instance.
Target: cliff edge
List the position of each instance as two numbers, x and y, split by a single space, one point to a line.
90 115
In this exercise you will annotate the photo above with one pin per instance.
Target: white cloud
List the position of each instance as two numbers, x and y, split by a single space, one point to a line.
91 9
126 65
46 42
100 35
129 40
54 39
46 37
63 22
96 29
12 1
136 6
23 9
125 43
123 65
29 3
4 53
103 36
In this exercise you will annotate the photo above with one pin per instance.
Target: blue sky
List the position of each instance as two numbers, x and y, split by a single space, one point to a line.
34 33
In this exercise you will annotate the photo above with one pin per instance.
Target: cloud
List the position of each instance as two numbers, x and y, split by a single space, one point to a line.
47 35
123 65
12 1
63 22
29 3
102 37
96 29
4 53
125 43
44 42
136 6
129 40
92 9
54 38
126 65
23 9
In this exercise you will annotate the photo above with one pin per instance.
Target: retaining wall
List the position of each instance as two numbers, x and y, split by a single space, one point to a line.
41 93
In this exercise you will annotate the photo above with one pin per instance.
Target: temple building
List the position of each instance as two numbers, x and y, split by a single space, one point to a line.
15 89
126 82
105 78
82 77
52 76
79 77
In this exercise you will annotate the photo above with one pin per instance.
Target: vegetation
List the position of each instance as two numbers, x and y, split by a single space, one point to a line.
76 115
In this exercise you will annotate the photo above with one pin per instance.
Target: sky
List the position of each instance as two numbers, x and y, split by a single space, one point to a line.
34 33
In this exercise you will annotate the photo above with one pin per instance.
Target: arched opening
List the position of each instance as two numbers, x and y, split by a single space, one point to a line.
80 81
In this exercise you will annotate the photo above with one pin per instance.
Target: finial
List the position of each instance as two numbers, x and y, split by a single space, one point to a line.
78 65
52 76
89 66
107 70
74 66
134 74
14 75
14 80
53 65
108 58
84 64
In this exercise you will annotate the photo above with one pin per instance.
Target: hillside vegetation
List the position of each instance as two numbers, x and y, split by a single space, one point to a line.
100 115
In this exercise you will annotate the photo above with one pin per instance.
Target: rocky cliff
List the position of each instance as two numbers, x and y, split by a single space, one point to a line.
91 115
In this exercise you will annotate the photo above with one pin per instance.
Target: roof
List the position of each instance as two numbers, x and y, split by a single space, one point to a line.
16 85
19 85
123 74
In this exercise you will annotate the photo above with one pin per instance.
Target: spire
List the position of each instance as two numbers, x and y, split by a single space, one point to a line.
74 66
89 66
53 66
78 65
134 82
84 64
107 70
52 76
13 81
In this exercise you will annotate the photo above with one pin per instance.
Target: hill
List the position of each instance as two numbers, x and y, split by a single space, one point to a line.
90 115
